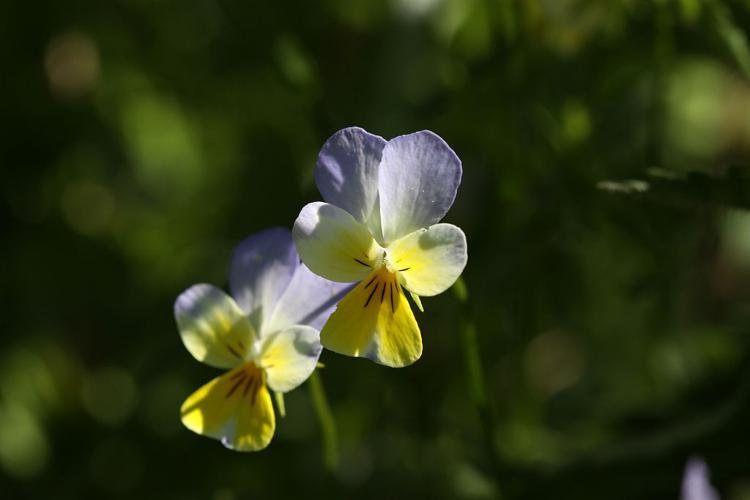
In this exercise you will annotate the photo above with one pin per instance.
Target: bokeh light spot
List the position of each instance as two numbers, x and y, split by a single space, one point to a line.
23 446
88 207
415 8
469 482
224 494
735 239
554 361
161 399
26 379
71 62
109 395
576 122
163 144
294 63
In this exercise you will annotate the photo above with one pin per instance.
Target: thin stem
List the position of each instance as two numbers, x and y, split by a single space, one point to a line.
508 19
473 364
731 34
280 403
327 422
474 370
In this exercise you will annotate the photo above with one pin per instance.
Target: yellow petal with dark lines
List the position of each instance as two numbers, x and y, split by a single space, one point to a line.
375 321
235 408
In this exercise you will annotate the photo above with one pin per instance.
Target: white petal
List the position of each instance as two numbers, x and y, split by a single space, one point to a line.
213 327
347 174
334 245
430 260
262 267
308 300
418 178
290 356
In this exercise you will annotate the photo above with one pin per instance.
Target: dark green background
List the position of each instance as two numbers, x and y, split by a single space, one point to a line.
140 140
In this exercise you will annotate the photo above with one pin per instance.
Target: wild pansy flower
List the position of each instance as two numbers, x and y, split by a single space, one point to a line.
379 227
695 483
267 336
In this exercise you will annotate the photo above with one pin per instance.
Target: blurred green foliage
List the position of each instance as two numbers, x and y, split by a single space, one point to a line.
605 148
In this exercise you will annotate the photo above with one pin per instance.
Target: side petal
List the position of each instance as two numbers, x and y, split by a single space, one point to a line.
418 179
347 174
308 300
332 244
430 260
213 327
375 321
290 356
261 268
235 408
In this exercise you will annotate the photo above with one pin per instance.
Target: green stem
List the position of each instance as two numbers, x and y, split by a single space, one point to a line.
327 423
473 364
732 35
474 370
508 19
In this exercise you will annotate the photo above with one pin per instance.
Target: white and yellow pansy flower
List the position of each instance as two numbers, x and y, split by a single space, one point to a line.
267 336
379 227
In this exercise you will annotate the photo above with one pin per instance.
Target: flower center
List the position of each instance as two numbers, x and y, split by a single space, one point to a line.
382 287
247 381
388 262
384 259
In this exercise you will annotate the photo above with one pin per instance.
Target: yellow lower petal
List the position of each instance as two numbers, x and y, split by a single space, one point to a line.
235 408
375 321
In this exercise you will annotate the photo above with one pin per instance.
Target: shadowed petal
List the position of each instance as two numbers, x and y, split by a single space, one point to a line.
212 326
262 266
418 179
347 174
308 300
235 408
333 244
290 356
430 260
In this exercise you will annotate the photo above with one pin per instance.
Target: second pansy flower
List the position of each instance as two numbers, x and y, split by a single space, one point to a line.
380 227
265 334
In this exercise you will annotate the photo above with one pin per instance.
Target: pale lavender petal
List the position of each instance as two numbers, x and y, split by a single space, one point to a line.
262 267
309 300
695 483
347 174
418 179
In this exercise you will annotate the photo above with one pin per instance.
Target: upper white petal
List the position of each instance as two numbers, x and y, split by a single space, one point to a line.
333 244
